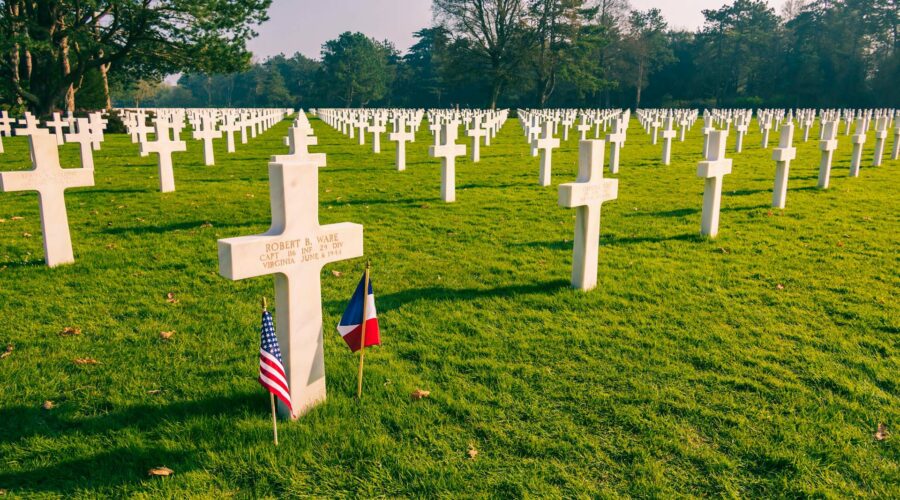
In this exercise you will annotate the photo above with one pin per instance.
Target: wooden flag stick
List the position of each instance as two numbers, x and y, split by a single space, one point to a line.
272 396
362 337
274 418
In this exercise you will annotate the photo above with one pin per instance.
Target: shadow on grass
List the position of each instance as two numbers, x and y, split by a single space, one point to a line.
111 467
181 226
116 191
684 212
399 201
437 294
606 240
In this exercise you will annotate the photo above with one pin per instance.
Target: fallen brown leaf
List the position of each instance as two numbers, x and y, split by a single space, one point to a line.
70 330
160 471
111 246
206 225
840 243
425 205
166 335
16 218
7 352
337 274
170 298
419 394
472 451
2 492
48 405
86 361
769 213
882 433
779 287
154 391
2 221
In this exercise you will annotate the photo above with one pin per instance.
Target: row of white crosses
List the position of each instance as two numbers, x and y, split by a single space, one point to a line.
50 180
539 127
92 127
716 165
169 123
479 125
652 120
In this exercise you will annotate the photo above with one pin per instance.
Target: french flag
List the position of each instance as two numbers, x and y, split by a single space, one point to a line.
350 326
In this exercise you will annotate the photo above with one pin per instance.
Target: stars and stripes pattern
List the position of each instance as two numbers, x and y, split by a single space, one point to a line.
271 370
350 326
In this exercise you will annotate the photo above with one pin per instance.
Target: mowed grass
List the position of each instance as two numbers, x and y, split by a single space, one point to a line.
758 364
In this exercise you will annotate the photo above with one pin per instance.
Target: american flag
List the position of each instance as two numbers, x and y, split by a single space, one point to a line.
271 371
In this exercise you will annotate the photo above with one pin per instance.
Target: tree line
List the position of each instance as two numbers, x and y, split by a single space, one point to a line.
479 53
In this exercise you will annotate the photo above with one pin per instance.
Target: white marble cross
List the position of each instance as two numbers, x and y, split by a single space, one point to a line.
447 152
377 128
827 145
435 129
294 249
57 124
85 140
476 133
783 155
298 148
859 142
361 124
207 134
6 124
401 136
881 133
766 128
98 124
228 128
587 195
668 136
707 129
164 146
713 169
741 127
583 128
654 130
615 140
545 144
31 126
50 180
895 154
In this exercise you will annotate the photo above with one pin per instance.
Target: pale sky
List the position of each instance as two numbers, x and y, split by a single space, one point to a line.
304 25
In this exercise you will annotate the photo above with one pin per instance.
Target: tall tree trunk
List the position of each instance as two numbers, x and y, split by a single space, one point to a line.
67 69
104 70
640 84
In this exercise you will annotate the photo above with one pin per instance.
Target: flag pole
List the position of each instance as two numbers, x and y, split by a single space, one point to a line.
271 395
362 337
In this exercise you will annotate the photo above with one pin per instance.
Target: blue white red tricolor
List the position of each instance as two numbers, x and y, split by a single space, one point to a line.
271 370
350 326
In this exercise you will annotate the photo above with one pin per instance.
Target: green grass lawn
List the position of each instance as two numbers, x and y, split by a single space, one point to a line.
758 364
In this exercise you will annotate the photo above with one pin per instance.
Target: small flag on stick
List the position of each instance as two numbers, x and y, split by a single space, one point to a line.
271 369
359 324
